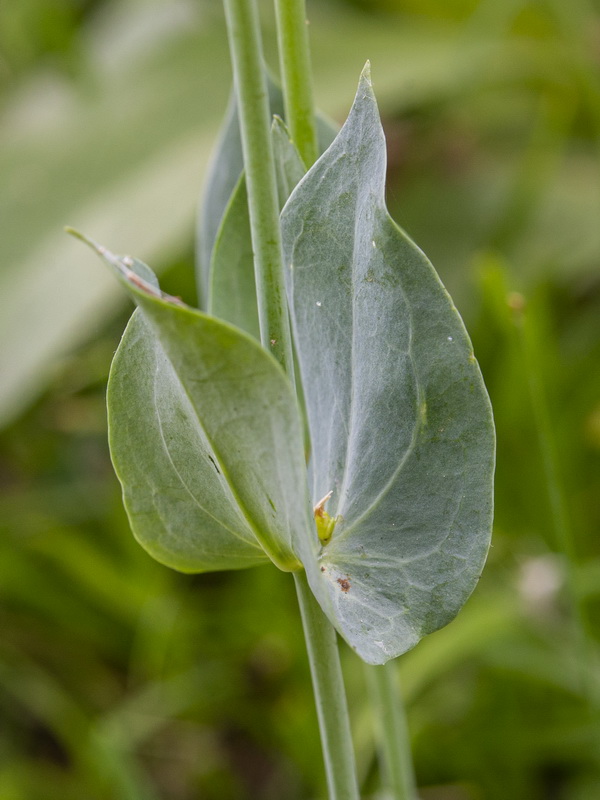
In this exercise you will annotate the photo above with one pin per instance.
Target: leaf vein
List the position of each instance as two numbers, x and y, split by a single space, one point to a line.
167 450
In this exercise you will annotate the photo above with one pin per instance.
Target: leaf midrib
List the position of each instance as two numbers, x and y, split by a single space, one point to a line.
176 471
240 504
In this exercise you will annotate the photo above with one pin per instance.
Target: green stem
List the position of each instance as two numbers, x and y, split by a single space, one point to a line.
296 74
394 742
249 75
255 124
330 698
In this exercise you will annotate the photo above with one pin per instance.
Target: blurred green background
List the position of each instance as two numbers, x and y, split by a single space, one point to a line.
122 680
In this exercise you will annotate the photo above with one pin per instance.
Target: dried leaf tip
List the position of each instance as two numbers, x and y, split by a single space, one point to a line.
125 266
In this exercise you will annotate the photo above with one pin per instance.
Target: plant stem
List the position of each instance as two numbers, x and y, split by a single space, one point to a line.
296 74
394 742
255 123
330 697
321 642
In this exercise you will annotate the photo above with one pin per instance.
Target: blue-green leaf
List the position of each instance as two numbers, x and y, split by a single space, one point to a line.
223 218
232 288
205 435
223 177
400 421
289 167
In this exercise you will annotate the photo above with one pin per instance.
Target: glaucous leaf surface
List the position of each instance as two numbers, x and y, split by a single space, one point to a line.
205 436
223 177
149 175
400 421
232 286
231 289
222 216
289 167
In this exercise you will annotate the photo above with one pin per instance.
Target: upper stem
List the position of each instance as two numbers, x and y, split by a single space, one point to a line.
251 89
330 697
255 124
296 74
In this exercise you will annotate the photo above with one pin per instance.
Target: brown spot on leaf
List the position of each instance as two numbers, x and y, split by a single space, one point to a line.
344 584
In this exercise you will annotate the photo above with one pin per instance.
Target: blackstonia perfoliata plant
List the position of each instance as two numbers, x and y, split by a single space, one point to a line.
389 517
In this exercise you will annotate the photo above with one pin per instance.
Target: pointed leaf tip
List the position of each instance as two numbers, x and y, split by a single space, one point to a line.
99 249
400 422
85 239
365 75
136 275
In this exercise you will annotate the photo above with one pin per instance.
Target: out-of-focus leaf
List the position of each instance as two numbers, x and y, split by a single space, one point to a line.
44 697
400 422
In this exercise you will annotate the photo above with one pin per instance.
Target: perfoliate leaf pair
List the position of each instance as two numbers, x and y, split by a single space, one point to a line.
206 434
